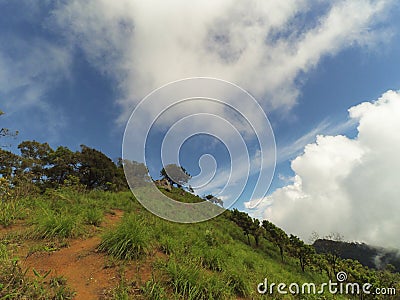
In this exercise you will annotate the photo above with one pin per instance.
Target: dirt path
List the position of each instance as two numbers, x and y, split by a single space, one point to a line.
80 264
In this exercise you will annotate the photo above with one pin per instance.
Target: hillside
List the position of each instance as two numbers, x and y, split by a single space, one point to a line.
70 229
372 257
73 244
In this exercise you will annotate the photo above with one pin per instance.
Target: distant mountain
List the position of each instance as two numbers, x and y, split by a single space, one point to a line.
370 256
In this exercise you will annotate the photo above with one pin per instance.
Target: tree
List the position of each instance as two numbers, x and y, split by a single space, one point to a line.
244 221
301 250
35 159
175 174
277 236
64 163
214 200
331 246
10 164
257 231
136 173
95 169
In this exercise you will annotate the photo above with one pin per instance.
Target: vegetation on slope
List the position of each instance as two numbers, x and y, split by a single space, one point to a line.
224 258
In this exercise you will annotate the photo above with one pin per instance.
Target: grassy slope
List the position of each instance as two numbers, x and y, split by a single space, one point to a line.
208 260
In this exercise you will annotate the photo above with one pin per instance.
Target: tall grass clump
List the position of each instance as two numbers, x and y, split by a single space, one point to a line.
3 252
184 280
9 212
154 290
189 281
52 225
213 259
239 283
93 216
129 240
11 208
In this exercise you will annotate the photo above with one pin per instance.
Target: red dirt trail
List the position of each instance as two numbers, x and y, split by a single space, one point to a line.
80 263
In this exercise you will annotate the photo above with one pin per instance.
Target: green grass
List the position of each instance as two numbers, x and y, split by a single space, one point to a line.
207 260
153 289
15 284
10 211
129 240
93 216
56 225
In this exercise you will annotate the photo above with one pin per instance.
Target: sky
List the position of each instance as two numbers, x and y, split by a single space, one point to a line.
324 73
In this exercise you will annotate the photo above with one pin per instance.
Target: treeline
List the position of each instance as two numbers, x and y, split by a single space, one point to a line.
41 166
372 257
328 262
290 245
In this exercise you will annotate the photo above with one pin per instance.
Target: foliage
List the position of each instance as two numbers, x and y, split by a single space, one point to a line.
136 173
175 174
93 216
276 236
301 250
95 169
10 208
44 167
244 221
154 290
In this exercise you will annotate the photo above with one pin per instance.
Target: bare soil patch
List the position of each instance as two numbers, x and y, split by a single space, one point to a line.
85 269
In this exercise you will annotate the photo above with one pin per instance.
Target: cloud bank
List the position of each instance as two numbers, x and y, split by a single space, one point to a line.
344 185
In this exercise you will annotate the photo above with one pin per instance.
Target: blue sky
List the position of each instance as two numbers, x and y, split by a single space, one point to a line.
71 72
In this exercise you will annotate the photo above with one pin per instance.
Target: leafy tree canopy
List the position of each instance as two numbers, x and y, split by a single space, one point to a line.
175 174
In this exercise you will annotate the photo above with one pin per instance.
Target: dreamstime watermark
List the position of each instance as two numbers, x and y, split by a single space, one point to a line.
205 113
340 287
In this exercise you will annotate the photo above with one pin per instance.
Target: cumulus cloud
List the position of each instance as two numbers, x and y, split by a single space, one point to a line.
346 185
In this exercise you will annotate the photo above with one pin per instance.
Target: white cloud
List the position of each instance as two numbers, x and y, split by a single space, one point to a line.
296 147
261 45
346 185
